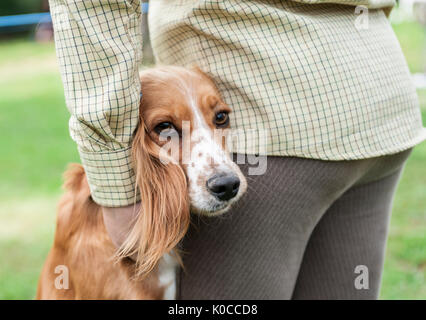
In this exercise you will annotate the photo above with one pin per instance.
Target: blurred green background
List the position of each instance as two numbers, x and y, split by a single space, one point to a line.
36 148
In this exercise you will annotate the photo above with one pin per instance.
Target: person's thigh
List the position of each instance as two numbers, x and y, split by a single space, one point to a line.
345 254
255 250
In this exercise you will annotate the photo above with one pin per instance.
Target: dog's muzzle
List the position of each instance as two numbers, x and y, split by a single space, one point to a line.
223 186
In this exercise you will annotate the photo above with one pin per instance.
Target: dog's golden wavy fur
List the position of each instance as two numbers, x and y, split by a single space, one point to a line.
83 246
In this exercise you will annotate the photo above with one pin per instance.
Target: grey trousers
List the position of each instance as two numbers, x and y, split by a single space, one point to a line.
306 229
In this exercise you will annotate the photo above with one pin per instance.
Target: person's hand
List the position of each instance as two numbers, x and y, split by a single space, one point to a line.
119 222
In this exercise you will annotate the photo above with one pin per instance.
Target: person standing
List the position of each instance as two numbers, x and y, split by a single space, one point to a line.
337 102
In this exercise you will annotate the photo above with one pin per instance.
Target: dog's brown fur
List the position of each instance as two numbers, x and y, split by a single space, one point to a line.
83 246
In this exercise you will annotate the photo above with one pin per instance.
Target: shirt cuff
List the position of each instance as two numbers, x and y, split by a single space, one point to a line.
111 177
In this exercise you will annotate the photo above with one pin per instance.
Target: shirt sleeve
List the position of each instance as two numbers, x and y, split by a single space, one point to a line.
99 49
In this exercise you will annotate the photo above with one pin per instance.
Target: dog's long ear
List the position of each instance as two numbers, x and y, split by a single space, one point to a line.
164 216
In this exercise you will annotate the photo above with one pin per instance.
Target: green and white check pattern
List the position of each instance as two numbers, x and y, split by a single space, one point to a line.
300 69
323 88
99 48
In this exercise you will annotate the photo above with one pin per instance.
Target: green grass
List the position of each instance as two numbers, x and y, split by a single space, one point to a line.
412 37
405 264
26 234
33 121
13 51
36 147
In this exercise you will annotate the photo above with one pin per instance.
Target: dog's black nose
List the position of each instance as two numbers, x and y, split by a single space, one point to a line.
223 187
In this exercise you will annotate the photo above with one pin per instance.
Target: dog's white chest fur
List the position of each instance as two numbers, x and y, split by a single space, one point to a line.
167 269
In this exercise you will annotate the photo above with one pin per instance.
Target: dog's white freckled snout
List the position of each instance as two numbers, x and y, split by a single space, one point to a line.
207 159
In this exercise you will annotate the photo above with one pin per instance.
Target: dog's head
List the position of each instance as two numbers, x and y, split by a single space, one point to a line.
180 159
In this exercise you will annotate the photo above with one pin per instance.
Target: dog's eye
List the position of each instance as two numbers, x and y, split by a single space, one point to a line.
221 119
165 128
